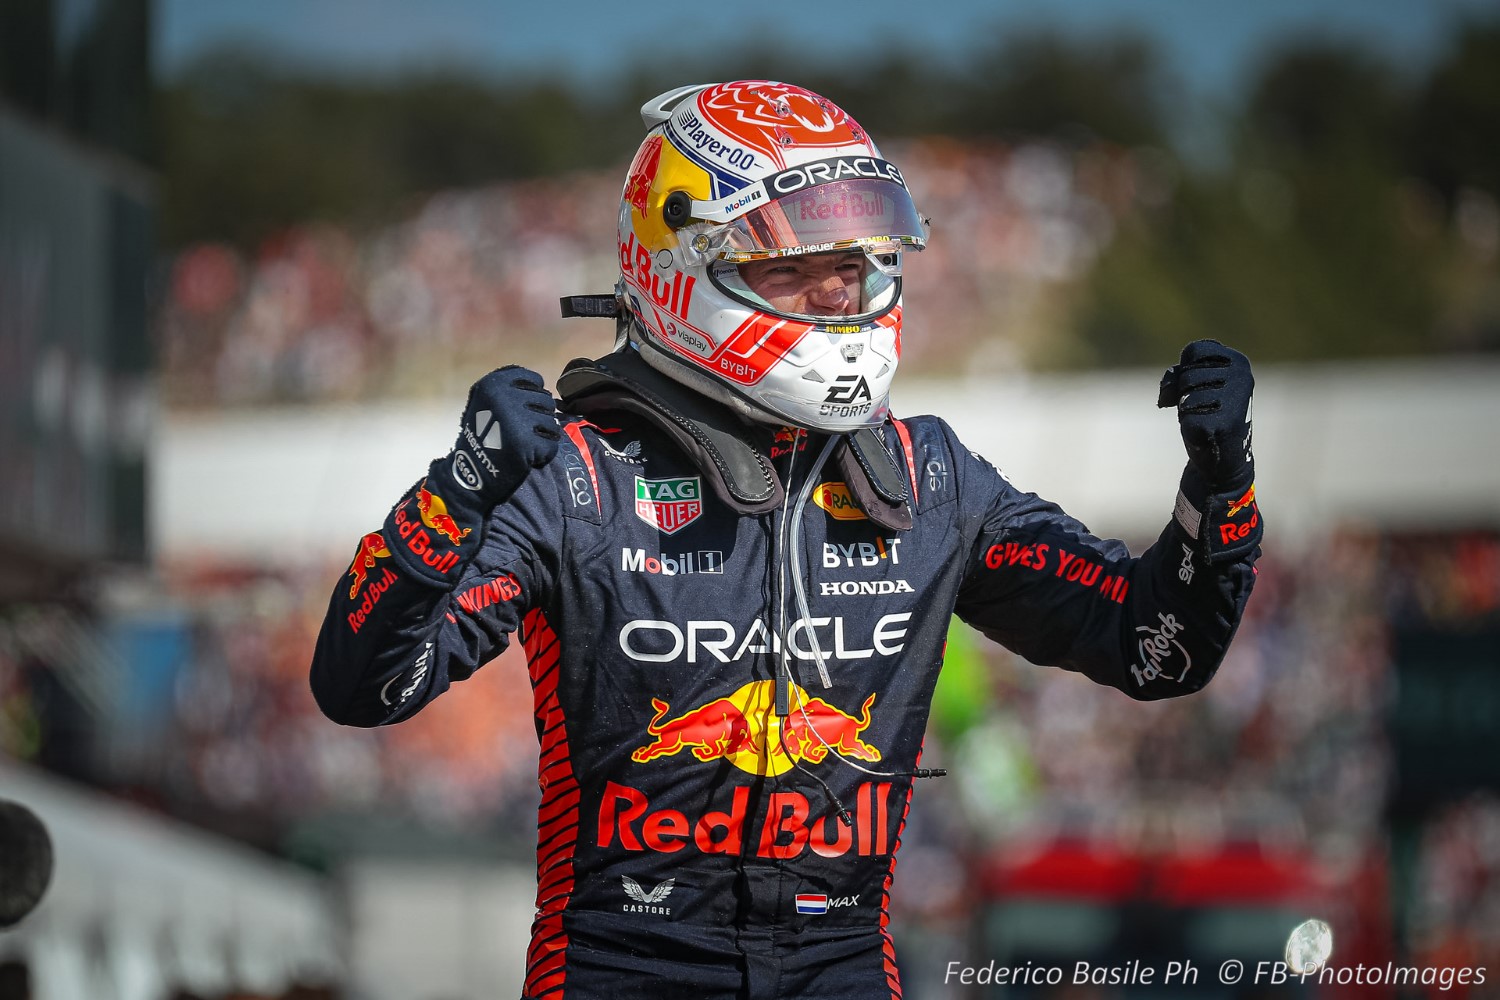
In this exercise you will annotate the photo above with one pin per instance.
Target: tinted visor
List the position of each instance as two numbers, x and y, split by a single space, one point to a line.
877 289
874 214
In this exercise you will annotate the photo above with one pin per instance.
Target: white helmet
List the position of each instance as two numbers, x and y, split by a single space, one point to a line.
747 171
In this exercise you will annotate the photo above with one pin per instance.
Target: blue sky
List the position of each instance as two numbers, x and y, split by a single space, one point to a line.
1210 44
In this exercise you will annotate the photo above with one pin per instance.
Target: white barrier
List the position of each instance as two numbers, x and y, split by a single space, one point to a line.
1389 443
139 903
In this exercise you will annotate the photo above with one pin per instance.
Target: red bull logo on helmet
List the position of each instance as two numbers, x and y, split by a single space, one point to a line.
643 173
670 290
744 729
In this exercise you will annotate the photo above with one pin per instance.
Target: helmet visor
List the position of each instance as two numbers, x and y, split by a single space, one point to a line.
872 214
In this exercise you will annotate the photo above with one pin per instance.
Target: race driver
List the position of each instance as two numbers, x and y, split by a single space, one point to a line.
732 568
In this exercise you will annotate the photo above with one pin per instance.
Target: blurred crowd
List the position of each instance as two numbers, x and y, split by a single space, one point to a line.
472 278
247 742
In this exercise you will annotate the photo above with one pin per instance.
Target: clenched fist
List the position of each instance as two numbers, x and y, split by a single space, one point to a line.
1211 386
509 427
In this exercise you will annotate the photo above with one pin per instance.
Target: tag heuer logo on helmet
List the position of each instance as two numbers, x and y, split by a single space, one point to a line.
669 504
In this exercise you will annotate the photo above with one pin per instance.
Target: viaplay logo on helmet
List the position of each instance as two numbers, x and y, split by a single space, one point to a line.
837 168
669 504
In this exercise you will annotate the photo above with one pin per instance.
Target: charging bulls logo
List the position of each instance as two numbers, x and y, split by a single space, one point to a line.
371 548
744 729
434 514
1242 502
1232 530
643 174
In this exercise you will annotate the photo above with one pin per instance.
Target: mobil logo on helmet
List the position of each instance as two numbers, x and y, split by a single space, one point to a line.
744 729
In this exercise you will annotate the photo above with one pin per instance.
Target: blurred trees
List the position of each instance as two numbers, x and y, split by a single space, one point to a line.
92 79
1356 217
1454 125
248 149
1355 213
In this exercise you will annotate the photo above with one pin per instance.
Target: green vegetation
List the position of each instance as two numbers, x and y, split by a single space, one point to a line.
1354 211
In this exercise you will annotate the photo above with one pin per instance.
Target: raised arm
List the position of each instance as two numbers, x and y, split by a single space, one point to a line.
1156 626
436 592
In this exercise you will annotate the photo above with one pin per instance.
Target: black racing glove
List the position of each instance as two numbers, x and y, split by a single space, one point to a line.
509 428
1212 387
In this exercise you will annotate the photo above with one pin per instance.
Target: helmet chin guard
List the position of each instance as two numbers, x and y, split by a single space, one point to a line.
758 170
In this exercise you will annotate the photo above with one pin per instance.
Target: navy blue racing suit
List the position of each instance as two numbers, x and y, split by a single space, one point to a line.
692 840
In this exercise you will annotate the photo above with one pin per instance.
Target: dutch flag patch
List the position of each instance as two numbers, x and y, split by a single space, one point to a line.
812 903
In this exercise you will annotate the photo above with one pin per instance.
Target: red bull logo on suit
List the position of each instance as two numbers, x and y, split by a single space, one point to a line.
744 729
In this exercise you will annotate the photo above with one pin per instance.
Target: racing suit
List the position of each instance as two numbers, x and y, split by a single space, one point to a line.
695 838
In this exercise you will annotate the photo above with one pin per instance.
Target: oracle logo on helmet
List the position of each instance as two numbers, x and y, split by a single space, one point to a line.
837 168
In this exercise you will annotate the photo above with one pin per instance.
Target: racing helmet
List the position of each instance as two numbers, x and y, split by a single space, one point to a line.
756 170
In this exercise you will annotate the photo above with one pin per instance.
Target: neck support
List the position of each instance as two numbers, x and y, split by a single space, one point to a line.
719 442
